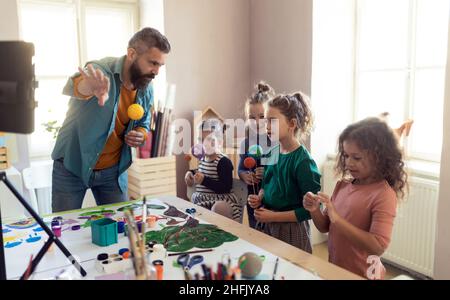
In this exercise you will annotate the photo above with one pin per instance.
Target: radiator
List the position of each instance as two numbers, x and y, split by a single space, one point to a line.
413 237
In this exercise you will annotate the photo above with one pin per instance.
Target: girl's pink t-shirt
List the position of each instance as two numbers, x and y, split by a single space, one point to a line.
371 208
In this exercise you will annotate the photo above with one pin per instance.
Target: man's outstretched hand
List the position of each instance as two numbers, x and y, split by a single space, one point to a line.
94 83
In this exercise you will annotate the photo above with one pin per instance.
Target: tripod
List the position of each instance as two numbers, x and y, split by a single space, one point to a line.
48 243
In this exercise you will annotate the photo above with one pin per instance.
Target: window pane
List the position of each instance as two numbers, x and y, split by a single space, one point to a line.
52 29
426 133
52 106
432 32
383 33
108 31
380 92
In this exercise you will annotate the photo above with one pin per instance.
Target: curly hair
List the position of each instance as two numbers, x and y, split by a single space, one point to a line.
296 107
375 137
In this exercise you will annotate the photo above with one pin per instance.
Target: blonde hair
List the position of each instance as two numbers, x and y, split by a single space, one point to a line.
263 93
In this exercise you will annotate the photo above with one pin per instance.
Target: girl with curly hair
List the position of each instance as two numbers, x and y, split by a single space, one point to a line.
360 214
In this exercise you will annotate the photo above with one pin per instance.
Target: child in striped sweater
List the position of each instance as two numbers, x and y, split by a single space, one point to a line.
214 178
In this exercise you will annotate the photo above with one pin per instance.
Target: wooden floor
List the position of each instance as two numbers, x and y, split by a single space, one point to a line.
321 250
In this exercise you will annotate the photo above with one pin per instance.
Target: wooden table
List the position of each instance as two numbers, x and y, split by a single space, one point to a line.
290 253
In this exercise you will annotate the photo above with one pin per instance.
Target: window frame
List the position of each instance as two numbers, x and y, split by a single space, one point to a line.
410 70
80 11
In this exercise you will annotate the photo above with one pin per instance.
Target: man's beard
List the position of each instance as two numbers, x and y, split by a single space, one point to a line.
139 80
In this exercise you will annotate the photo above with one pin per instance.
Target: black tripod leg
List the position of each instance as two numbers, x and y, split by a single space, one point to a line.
44 226
2 252
37 259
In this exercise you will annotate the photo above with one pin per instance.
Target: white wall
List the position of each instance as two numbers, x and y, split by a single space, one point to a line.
442 249
209 62
9 30
281 44
9 20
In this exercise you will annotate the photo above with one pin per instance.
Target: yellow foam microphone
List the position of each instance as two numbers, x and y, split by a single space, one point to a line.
135 112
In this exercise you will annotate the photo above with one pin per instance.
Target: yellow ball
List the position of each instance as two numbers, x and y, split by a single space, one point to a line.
135 112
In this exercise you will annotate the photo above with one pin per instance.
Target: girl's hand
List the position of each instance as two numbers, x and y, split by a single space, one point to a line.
254 200
249 178
259 173
264 215
311 202
189 178
198 178
329 210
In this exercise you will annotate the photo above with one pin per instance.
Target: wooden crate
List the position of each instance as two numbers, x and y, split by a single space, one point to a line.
4 162
152 177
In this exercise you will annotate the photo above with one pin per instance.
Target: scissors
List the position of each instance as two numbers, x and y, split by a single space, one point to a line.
187 263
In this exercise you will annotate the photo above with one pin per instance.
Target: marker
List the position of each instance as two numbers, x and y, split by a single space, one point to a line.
275 269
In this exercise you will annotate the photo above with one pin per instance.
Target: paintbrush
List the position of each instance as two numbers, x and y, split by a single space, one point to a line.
275 269
190 252
141 248
139 261
27 273
144 218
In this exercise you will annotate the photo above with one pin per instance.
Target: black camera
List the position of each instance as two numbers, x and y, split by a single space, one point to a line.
17 85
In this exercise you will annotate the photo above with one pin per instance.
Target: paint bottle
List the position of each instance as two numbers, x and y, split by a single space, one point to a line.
57 230
159 266
151 221
120 226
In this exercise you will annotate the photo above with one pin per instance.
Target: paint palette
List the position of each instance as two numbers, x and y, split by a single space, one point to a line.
113 263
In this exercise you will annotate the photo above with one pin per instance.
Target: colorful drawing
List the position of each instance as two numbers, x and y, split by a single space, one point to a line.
104 212
186 237
38 229
13 244
25 224
69 222
95 215
5 230
139 206
172 211
33 239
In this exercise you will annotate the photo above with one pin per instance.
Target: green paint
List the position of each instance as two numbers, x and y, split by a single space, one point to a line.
184 238
139 206
97 213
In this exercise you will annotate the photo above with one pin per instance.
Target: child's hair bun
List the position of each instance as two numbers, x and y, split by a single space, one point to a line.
298 96
263 87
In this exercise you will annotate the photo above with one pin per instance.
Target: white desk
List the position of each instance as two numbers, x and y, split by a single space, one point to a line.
294 263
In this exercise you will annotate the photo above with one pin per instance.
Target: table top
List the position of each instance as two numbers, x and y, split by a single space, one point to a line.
294 263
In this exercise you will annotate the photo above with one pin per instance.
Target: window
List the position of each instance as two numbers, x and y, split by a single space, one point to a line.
398 55
67 34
